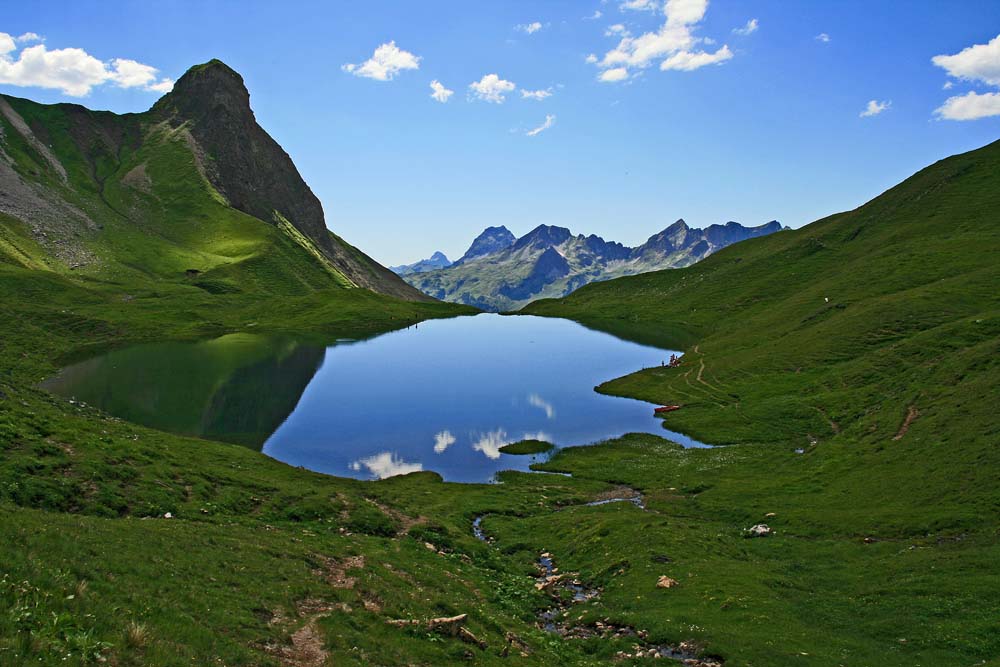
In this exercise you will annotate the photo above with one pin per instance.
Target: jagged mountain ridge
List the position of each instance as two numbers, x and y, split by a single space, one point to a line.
501 272
141 196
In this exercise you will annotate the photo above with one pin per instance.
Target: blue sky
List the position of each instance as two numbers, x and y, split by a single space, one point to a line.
769 126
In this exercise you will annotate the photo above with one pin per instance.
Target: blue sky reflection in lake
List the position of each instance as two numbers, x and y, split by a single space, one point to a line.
447 394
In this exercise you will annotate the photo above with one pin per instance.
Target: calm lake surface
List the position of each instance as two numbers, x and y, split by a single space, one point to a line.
444 395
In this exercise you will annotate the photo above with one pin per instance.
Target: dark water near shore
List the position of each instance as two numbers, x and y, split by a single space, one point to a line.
444 395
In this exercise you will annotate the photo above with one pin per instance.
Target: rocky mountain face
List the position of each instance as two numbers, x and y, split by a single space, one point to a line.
492 240
501 272
436 261
89 186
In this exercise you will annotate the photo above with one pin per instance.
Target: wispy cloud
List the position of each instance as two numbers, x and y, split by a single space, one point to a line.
641 5
72 71
874 108
550 120
386 62
593 17
439 92
977 63
748 29
537 95
529 28
823 37
491 88
541 436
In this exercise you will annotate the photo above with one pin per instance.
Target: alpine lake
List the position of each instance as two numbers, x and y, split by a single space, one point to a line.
443 395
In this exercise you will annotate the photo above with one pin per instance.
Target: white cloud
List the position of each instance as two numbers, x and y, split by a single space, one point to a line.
491 88
980 62
948 85
613 75
616 29
491 442
443 441
386 62
539 402
164 86
590 59
977 63
822 37
970 106
73 71
440 93
537 95
593 17
874 108
686 61
674 42
541 436
529 28
29 37
386 464
550 120
748 29
641 5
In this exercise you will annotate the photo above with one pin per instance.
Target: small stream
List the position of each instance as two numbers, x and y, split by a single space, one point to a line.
567 591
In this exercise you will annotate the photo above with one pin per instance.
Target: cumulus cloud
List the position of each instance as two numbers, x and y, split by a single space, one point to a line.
593 17
674 44
529 28
550 120
641 5
616 29
490 443
590 59
537 95
439 92
539 402
613 75
874 108
978 63
442 441
491 88
72 71
748 29
386 464
948 85
822 37
971 106
386 62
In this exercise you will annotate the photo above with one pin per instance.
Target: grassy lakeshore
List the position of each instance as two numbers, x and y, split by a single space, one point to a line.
852 365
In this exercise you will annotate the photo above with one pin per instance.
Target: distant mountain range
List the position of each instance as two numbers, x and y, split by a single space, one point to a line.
436 261
502 272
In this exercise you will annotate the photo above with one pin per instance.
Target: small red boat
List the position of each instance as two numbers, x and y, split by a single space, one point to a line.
664 409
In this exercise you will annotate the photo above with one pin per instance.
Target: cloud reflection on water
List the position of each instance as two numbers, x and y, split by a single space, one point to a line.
442 441
386 464
539 402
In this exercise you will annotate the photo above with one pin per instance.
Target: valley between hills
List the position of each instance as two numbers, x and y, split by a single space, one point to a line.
846 372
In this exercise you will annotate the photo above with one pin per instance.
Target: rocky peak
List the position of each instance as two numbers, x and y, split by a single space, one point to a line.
491 240
542 236
244 163
212 87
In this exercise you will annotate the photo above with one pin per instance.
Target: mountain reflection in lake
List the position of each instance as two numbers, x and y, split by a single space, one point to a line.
444 395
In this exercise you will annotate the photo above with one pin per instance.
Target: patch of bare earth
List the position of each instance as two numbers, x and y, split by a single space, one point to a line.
911 414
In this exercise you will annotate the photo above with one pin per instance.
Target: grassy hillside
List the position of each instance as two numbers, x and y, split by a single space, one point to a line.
821 340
